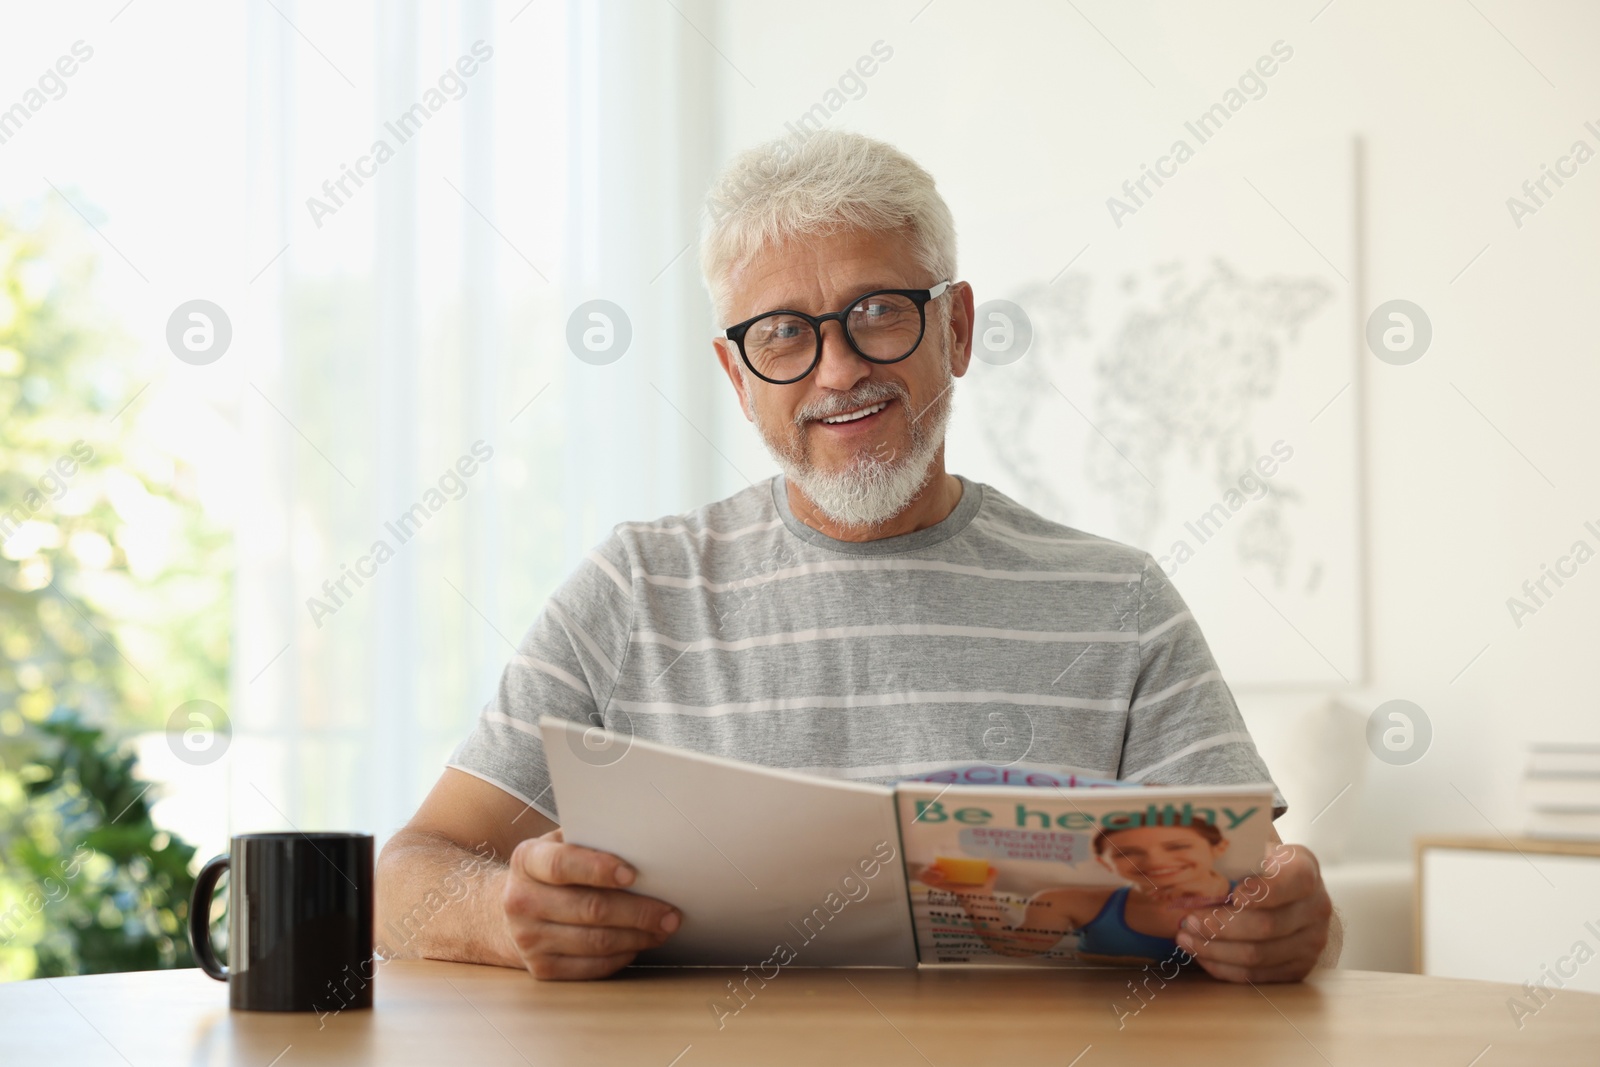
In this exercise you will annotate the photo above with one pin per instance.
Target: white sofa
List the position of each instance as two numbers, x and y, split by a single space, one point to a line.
1315 746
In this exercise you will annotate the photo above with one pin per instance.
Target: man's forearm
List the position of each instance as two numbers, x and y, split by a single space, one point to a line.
437 900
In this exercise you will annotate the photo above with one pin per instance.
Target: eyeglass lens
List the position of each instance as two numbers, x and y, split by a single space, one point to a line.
883 326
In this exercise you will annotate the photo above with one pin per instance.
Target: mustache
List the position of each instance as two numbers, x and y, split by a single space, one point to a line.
863 395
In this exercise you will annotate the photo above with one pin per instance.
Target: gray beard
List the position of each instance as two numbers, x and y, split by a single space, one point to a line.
873 489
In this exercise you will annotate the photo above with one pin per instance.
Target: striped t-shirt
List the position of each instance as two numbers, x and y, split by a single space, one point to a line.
994 635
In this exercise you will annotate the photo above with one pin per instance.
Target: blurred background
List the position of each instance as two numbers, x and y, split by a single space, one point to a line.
269 270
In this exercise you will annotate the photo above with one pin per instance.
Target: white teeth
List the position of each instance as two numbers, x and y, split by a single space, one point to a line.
854 415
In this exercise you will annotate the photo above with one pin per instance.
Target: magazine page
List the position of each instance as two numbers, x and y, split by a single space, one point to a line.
1097 875
770 868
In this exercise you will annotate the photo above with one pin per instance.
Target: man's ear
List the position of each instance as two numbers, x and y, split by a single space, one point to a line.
962 312
730 366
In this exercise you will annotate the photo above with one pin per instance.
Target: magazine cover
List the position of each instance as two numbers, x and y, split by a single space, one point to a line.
1071 871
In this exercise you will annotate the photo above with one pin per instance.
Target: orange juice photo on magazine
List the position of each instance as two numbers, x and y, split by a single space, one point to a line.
961 871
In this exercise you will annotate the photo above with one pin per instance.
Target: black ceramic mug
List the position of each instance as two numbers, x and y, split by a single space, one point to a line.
299 921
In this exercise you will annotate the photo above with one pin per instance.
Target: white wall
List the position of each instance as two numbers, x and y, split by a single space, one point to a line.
1029 118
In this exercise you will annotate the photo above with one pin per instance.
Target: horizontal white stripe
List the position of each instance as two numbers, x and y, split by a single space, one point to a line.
1152 634
611 572
1176 688
840 633
555 672
844 566
1014 534
1189 750
583 637
516 724
715 535
868 700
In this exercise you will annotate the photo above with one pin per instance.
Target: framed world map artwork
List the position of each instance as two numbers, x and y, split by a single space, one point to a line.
1192 387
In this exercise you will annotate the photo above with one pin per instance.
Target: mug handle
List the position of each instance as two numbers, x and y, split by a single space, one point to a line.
200 918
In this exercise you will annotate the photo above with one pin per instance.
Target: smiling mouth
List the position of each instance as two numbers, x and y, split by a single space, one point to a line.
855 416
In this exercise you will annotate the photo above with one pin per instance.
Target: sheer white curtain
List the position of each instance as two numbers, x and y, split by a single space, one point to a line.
426 313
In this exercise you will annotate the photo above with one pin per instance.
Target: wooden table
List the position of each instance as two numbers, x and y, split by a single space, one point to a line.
467 1016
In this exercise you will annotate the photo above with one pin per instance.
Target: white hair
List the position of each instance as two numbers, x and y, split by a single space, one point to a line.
832 180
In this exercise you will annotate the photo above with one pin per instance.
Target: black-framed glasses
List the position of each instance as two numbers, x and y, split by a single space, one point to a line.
883 326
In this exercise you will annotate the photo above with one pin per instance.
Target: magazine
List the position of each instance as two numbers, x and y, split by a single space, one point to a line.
970 863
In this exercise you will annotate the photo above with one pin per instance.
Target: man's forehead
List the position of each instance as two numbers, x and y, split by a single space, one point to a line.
805 270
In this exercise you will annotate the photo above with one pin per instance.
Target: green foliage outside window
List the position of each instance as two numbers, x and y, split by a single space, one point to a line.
115 603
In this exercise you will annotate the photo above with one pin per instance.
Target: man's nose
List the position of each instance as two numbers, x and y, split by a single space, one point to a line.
842 366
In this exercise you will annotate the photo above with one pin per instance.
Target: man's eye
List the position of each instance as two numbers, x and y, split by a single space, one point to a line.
875 309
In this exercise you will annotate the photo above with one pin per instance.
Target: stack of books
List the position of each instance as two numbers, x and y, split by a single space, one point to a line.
1561 791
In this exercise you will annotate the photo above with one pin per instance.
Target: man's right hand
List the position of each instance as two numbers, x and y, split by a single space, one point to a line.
570 914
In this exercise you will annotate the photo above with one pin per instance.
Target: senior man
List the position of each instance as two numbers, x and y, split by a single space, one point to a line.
865 614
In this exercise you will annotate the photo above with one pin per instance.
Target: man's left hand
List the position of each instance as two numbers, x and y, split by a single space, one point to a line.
1275 929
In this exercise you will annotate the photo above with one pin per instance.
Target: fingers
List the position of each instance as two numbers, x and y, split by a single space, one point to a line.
548 948
549 859
609 907
1228 972
570 915
1258 922
577 968
1305 944
1274 932
565 939
1289 872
